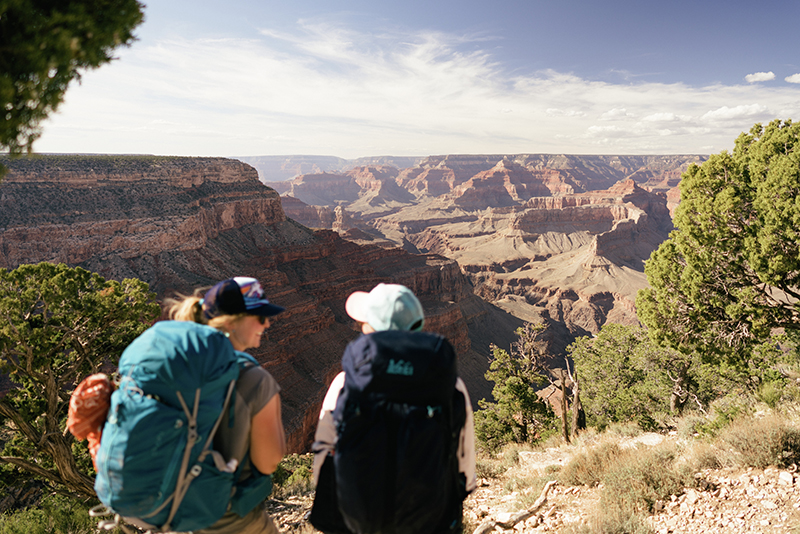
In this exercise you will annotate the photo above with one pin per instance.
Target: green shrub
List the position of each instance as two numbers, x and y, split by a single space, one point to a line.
491 430
725 411
762 442
294 475
625 376
516 413
770 393
56 515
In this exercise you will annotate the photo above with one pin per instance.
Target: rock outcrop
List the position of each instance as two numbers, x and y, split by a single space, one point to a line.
308 215
182 223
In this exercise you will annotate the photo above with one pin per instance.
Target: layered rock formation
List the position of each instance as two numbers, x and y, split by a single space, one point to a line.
574 260
181 223
552 238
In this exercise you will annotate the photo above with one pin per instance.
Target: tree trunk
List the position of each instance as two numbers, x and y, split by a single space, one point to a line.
577 409
564 427
70 475
678 397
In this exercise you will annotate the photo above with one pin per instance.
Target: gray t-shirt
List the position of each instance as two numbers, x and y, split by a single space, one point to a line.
254 389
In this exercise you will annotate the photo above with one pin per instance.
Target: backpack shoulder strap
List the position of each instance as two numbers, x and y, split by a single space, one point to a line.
245 360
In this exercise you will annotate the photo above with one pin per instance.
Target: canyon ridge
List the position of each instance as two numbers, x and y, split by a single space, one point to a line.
486 242
559 239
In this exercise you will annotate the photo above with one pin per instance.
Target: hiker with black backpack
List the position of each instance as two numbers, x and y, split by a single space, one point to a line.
193 426
394 447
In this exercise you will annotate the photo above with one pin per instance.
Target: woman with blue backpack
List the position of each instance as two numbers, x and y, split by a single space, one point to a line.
187 435
238 308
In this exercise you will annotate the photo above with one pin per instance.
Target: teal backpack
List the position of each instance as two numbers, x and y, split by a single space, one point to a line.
156 466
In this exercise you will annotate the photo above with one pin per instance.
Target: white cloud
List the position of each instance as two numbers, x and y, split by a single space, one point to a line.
726 113
553 112
316 89
665 117
615 114
794 78
760 77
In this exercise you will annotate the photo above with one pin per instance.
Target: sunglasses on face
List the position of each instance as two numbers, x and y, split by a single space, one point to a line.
261 319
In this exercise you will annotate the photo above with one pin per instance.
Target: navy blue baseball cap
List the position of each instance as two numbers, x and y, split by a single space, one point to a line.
238 295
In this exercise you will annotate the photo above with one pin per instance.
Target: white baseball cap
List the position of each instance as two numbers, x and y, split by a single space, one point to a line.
387 307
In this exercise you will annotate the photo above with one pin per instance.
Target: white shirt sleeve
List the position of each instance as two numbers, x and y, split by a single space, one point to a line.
325 436
466 443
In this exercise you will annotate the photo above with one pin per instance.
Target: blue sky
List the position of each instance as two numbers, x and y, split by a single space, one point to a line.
354 78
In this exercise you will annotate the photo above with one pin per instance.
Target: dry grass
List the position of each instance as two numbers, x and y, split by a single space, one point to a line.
588 466
631 481
637 478
699 456
762 442
625 430
496 465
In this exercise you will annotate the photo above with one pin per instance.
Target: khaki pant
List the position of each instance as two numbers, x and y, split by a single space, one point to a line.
256 522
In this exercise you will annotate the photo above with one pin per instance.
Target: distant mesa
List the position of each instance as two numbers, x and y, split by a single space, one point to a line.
281 168
556 238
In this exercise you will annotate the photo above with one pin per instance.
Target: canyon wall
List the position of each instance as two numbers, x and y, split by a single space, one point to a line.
183 223
486 241
560 239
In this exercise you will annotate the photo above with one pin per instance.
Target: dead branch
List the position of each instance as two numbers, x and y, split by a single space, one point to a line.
699 404
488 526
684 394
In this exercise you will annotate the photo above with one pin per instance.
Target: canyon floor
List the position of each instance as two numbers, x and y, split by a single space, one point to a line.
725 501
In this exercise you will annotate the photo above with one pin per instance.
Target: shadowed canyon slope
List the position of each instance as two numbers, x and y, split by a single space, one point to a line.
546 237
180 223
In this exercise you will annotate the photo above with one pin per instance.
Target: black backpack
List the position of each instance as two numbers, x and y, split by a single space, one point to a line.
398 420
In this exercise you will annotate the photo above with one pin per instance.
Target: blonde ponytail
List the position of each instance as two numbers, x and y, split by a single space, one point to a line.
183 308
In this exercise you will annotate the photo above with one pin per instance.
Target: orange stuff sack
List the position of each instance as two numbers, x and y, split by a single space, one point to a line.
88 407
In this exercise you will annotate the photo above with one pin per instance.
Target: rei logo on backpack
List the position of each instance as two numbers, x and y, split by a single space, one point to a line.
156 467
398 419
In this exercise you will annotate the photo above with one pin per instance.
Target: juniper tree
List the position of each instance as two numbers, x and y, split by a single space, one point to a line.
58 325
517 414
729 275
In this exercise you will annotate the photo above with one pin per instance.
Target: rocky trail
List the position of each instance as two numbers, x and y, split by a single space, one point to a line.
724 501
